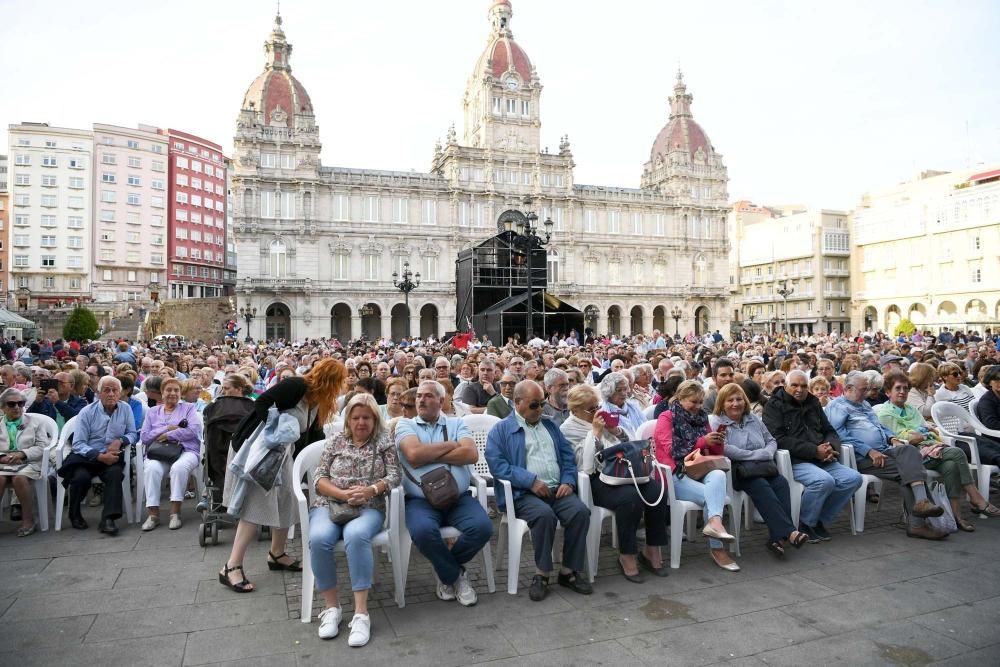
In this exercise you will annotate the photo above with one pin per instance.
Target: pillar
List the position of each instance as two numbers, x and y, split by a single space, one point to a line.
414 322
355 327
386 324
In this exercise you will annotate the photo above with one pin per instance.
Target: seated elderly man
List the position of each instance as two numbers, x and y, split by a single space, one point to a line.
879 452
557 387
615 394
104 429
427 442
797 422
534 455
61 404
502 404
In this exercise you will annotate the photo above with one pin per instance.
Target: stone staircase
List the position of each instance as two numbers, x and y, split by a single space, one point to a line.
125 327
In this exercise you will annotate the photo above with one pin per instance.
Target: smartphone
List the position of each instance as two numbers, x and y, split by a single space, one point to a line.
50 383
610 420
722 429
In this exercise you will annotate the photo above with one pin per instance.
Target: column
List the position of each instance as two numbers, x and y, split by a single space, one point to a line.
386 324
355 327
447 323
647 320
414 322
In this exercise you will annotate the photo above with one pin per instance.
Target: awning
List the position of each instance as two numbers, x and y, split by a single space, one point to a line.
518 304
9 318
986 175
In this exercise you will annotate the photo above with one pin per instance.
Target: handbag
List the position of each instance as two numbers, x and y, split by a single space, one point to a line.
946 522
265 473
753 469
697 465
341 511
628 462
168 452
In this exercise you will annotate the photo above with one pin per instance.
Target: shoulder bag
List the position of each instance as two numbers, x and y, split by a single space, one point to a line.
628 463
341 511
697 465
438 485
169 451
753 469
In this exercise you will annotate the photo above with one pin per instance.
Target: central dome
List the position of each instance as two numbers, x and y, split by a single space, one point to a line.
503 56
681 133
275 93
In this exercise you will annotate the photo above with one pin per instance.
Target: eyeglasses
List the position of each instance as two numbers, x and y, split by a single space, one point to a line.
15 404
507 384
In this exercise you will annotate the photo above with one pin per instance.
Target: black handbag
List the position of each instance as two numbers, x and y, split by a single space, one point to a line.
627 463
168 452
745 470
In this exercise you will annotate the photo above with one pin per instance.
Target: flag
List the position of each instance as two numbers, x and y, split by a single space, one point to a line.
461 341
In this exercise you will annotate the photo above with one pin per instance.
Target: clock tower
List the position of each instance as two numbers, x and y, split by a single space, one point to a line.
502 97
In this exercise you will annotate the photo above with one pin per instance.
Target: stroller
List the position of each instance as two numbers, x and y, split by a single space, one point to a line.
221 419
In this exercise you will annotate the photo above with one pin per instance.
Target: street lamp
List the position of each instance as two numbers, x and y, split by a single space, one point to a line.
526 238
784 292
676 313
406 286
248 312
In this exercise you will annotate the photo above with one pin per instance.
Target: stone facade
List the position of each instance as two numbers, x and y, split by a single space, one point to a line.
317 245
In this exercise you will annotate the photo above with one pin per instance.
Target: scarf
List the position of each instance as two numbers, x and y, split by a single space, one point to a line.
687 428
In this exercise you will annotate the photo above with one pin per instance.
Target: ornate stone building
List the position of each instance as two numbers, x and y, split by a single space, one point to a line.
317 245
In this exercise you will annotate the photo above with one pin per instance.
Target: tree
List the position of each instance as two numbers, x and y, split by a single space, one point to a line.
80 325
905 327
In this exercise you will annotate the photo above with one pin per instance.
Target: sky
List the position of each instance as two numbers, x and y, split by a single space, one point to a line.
808 102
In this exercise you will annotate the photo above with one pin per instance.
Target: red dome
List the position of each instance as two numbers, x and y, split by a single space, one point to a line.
506 55
276 93
680 134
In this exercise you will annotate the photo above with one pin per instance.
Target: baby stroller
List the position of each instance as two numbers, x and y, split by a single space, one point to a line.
221 419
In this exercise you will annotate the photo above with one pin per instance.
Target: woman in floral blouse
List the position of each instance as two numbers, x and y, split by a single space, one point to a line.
358 469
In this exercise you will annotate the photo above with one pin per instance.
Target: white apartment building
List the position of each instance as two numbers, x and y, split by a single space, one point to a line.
51 183
793 268
130 209
929 250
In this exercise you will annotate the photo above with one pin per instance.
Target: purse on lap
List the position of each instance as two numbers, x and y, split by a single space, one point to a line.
697 465
342 512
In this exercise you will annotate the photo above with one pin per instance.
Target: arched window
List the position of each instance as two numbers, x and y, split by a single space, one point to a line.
278 260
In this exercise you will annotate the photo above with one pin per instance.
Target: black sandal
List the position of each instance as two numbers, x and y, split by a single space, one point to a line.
797 539
775 547
294 566
239 586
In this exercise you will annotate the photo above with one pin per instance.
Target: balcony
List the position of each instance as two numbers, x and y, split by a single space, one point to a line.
837 272
275 284
835 294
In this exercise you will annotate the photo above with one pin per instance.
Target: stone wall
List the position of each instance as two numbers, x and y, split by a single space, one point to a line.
201 319
50 321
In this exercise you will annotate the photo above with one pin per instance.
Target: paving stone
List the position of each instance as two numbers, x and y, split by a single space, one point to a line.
59 605
70 547
279 660
278 637
849 576
715 641
25 636
161 651
240 612
972 624
985 656
122 559
45 583
745 597
608 652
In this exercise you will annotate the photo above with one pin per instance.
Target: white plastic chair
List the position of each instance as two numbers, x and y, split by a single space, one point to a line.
41 484
951 420
860 499
304 466
140 472
62 449
448 533
648 412
795 490
480 425
598 515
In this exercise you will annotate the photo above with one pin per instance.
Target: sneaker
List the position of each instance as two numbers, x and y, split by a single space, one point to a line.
361 630
821 532
329 622
925 508
810 533
150 523
189 494
464 591
175 521
445 592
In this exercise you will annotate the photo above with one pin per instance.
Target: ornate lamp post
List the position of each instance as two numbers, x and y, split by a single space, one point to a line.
784 292
591 312
248 312
405 285
676 313
526 238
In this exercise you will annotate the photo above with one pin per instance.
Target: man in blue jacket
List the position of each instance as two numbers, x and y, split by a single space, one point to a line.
539 462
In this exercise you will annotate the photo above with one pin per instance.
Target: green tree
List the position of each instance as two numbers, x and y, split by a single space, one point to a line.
80 325
905 327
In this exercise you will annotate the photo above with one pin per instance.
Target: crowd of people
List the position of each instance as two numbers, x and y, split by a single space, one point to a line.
713 412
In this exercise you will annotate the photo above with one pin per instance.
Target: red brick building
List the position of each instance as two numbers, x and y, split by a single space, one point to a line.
197 222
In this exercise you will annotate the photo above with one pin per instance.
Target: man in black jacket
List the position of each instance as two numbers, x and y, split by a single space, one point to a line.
796 420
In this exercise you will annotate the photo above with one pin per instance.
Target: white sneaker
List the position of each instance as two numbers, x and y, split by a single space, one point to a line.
361 630
464 591
445 592
175 521
329 622
150 523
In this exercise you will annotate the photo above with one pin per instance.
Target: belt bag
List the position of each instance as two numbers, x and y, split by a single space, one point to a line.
627 463
697 465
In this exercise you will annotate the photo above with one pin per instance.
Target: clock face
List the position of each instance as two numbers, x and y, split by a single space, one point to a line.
512 83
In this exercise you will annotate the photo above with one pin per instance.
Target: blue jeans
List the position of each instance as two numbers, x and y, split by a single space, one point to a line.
709 492
357 535
424 524
828 487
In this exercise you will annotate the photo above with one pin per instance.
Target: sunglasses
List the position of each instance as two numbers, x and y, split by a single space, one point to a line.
15 404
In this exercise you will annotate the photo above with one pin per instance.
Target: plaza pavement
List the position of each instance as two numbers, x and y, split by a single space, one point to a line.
880 598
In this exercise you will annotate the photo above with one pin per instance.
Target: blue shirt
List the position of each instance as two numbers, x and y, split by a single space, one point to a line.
446 428
859 426
95 429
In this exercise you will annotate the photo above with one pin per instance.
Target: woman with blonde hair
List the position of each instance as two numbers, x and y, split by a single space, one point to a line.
357 470
312 400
